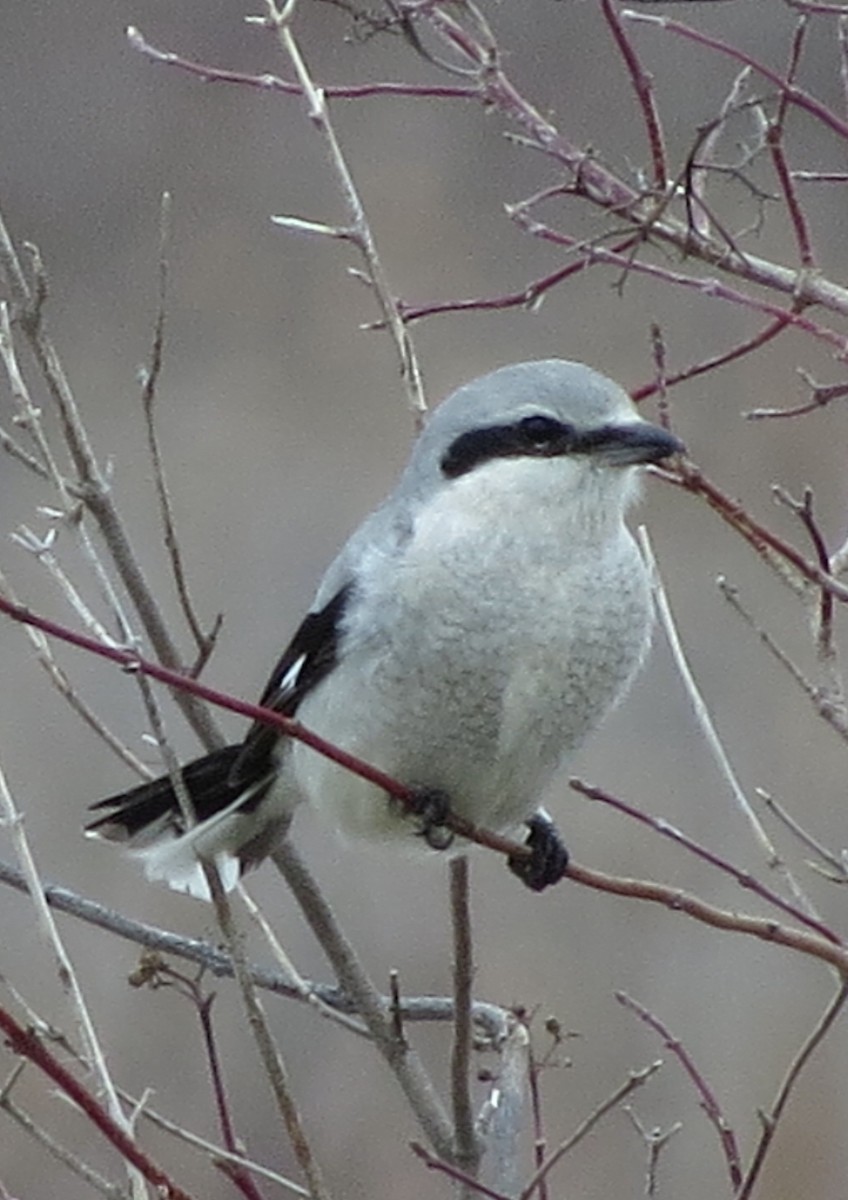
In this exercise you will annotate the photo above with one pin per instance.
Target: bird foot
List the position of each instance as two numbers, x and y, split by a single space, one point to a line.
548 860
430 807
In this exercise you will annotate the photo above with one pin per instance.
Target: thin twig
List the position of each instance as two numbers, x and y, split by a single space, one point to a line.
67 975
530 296
68 1158
269 1053
709 1101
303 987
633 1081
800 911
775 551
821 396
833 715
359 232
644 90
273 83
765 929
25 1042
771 1118
94 485
775 141
748 346
702 713
66 689
218 1154
203 641
654 1140
826 650
835 861
456 1174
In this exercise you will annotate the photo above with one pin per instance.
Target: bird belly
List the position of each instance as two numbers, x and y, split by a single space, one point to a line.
489 703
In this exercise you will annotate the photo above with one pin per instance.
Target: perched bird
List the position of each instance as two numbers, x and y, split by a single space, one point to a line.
468 636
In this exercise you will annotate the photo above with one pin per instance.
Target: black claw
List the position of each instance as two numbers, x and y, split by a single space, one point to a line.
431 808
548 861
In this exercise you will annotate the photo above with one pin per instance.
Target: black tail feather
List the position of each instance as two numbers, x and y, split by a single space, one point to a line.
207 781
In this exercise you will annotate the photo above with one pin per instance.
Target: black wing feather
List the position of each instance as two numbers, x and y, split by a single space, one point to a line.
217 780
309 657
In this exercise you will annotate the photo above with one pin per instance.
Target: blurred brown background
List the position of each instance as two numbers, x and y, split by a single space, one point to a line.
283 424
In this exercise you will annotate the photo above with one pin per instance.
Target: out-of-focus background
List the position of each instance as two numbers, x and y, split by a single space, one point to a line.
282 424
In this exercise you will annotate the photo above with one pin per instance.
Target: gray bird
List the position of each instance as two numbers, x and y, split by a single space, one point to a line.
468 636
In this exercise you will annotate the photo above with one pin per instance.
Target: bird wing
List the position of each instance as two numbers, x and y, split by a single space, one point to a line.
309 657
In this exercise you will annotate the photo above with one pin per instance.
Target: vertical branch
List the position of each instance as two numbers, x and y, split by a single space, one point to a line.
467 1154
93 485
68 977
502 1118
774 141
205 642
401 1058
275 1068
772 1117
279 19
644 89
842 38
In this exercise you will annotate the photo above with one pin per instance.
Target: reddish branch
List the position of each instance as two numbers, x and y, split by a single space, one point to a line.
709 1102
644 89
817 944
794 94
273 83
717 360
761 539
774 140
743 878
24 1042
133 662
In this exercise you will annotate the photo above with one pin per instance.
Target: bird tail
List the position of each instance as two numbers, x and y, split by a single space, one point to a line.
148 821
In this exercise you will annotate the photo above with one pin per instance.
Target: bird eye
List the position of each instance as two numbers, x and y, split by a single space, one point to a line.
540 430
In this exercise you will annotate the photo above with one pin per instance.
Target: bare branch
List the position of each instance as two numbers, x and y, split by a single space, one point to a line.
25 1042
634 1080
771 1119
468 1151
279 20
708 1099
269 1053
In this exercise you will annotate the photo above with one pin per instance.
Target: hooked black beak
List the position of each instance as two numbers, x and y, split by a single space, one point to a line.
629 445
